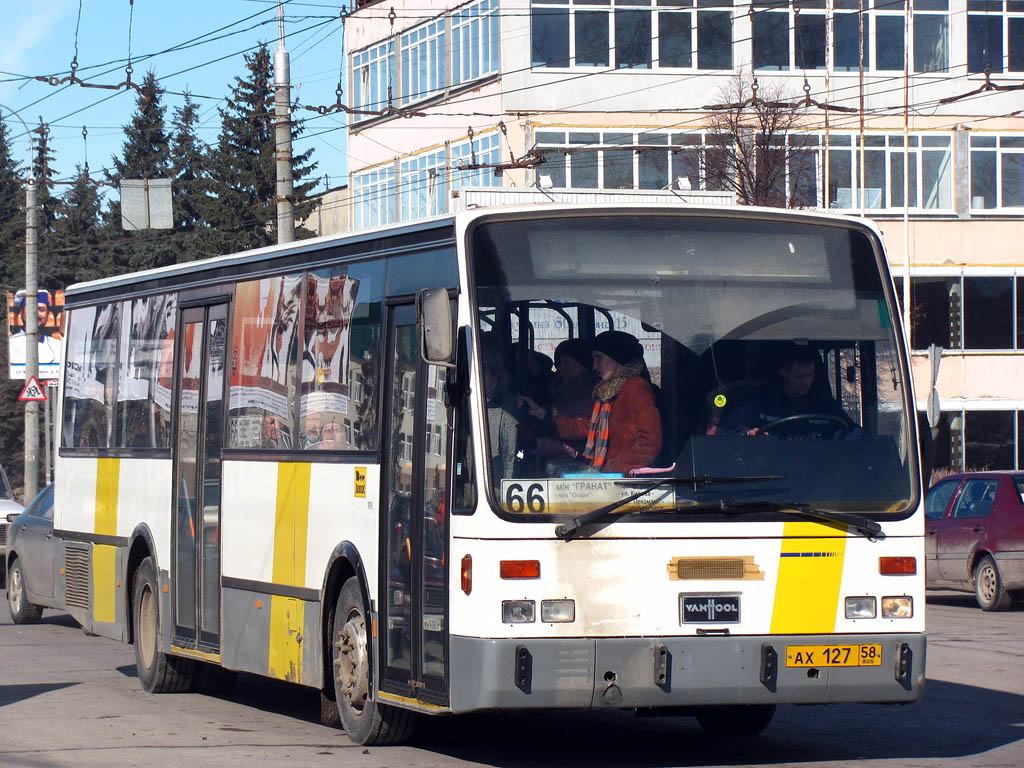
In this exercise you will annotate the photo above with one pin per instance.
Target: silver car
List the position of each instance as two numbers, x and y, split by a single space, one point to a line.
30 559
7 506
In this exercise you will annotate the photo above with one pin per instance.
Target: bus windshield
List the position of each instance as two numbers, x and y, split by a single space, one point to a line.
619 347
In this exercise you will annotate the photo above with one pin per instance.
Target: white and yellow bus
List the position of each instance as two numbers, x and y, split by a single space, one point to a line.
291 462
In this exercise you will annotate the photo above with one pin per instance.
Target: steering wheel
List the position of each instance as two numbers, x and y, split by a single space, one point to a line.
786 421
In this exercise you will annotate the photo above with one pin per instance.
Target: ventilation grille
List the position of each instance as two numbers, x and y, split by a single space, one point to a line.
76 576
713 568
3 535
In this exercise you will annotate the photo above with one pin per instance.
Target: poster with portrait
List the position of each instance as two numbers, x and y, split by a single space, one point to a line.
263 350
50 314
326 356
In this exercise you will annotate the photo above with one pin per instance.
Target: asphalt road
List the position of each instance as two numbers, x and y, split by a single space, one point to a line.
67 699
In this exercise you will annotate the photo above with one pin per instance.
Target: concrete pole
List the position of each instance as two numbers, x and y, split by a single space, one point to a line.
31 483
31 337
283 136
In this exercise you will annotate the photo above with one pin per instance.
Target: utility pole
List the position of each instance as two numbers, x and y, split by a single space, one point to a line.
283 136
31 321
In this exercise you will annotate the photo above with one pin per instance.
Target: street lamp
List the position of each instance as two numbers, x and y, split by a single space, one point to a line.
31 321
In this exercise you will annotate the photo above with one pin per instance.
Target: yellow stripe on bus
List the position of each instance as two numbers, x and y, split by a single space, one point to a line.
291 528
810 571
104 557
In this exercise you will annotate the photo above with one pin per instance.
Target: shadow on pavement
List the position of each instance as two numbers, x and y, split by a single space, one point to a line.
952 720
11 694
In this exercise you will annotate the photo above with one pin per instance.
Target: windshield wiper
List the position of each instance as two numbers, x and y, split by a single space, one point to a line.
567 531
863 525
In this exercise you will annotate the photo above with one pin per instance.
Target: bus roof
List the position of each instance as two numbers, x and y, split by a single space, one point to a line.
394 238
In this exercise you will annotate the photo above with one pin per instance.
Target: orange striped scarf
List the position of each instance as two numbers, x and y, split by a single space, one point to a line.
597 437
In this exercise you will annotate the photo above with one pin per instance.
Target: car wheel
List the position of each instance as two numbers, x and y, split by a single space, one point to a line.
22 611
365 721
988 586
736 720
158 672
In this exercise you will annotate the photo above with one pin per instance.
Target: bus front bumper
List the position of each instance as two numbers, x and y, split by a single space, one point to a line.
679 672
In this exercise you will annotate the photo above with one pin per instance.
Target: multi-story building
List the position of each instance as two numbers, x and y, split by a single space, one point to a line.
913 116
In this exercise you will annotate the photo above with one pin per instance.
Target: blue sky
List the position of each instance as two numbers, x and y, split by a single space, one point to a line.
40 40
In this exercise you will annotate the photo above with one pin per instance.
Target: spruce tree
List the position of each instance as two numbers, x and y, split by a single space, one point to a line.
243 163
77 252
12 213
12 276
192 185
145 155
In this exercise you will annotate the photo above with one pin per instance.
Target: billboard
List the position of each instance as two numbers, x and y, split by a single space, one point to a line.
50 311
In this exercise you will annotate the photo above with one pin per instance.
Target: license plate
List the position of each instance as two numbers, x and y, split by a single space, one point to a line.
869 655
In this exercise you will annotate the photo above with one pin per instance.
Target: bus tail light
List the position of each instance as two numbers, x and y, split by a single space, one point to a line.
860 607
557 611
902 566
897 607
518 611
520 569
467 573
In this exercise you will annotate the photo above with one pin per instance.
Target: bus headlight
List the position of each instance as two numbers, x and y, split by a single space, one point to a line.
518 611
861 607
897 607
554 611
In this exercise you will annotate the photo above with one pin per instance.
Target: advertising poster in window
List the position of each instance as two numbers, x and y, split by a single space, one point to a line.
50 311
326 356
262 355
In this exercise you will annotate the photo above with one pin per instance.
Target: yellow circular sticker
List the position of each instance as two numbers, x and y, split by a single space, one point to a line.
720 401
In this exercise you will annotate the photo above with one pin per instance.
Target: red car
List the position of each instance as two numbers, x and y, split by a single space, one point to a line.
975 536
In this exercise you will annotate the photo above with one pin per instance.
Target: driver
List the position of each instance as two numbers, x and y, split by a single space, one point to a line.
792 394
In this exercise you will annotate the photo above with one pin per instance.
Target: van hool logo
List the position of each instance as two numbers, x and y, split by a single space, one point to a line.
711 608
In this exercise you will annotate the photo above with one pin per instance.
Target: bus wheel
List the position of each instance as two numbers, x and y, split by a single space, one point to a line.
365 721
22 611
737 720
158 672
989 589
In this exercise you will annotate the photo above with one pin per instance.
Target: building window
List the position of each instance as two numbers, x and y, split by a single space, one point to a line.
997 172
475 42
589 33
423 61
484 149
373 194
995 40
776 21
972 312
851 35
931 35
424 185
372 76
471 32
989 439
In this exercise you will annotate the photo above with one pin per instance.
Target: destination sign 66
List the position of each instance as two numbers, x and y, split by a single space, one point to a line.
573 496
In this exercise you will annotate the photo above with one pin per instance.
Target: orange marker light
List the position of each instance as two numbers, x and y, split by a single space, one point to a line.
165 589
897 566
467 573
259 603
520 569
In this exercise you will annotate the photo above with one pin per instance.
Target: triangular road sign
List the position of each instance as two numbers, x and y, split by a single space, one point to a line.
32 391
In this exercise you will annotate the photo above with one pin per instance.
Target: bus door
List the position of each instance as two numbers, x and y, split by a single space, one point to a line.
414 536
199 408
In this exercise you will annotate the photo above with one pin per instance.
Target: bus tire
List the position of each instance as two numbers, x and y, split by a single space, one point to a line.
736 720
366 721
989 589
158 672
22 611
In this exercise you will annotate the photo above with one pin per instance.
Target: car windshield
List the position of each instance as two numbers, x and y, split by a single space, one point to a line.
711 346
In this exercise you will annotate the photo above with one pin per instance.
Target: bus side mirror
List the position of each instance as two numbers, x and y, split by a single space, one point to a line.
434 319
